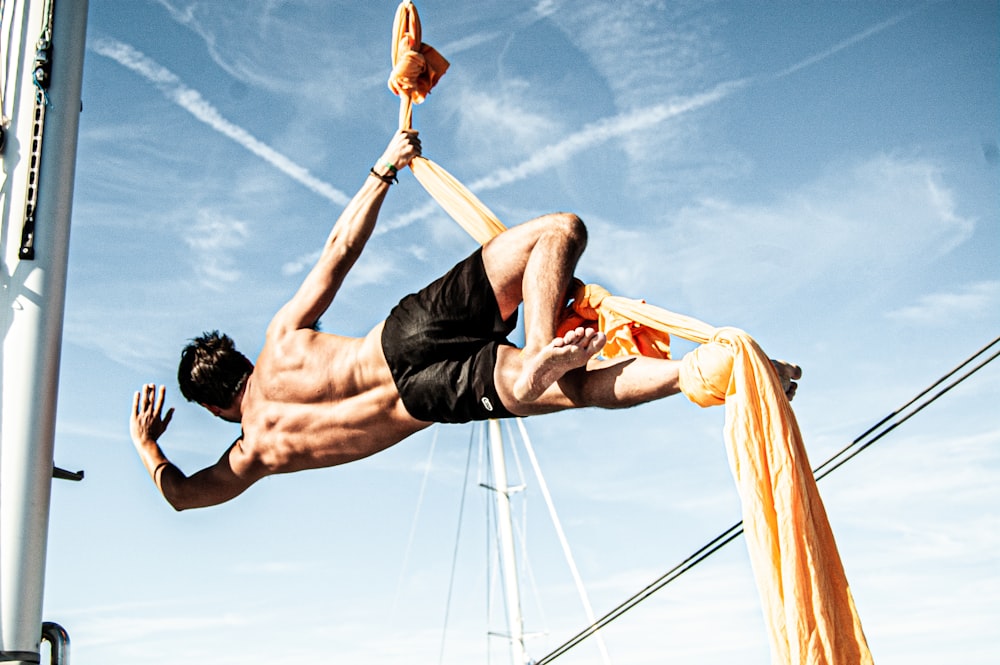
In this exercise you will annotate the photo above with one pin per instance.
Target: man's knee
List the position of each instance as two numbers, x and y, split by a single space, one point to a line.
569 226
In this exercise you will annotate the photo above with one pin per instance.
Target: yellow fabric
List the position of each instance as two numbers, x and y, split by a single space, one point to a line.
807 602
626 336
416 67
808 608
457 201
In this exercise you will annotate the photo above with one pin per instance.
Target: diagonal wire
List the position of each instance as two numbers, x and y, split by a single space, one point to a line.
856 446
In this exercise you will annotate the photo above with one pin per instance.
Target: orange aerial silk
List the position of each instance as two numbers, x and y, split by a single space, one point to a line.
808 607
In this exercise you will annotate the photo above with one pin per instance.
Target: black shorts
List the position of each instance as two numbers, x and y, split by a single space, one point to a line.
441 345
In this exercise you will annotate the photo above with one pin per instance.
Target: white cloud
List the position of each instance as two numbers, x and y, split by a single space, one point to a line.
300 264
369 269
546 8
859 226
264 45
970 302
513 112
212 238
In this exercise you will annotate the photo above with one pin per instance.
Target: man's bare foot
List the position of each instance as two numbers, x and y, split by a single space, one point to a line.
559 356
789 374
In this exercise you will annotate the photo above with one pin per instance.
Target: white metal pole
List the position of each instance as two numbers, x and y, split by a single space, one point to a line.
33 298
515 622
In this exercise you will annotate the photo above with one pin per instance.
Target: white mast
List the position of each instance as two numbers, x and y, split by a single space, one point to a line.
39 158
515 621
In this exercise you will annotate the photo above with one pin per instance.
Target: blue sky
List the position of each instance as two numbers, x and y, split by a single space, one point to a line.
823 175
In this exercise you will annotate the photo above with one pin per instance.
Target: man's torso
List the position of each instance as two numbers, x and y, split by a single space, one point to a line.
317 400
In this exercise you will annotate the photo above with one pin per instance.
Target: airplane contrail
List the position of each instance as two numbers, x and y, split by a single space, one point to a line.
545 158
850 41
191 101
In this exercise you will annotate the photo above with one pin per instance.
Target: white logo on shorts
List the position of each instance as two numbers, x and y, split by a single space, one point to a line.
487 403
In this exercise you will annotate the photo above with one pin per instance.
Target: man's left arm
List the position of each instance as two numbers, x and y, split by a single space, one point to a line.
347 239
226 479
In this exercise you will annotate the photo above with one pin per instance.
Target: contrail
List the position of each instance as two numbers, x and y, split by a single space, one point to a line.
545 158
850 41
593 134
601 131
639 119
191 101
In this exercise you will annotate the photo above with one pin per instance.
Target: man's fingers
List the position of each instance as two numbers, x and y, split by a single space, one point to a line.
161 395
411 138
787 370
146 400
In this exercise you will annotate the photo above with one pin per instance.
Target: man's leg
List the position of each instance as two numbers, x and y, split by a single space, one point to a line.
609 384
533 263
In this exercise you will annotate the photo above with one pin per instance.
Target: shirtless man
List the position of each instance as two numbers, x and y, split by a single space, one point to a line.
315 399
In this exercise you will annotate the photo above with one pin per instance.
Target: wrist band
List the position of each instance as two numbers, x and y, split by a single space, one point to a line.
387 179
159 467
390 166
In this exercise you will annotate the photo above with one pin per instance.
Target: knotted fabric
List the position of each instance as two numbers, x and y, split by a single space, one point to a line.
416 67
626 337
808 608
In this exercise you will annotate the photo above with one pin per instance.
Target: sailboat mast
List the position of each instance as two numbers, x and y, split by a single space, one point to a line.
42 71
508 561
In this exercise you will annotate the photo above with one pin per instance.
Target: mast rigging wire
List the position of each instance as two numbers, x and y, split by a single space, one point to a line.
823 470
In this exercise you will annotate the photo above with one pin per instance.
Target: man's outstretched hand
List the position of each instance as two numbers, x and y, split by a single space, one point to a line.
404 146
148 422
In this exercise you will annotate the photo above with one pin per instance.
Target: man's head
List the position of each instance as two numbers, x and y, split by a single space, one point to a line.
212 372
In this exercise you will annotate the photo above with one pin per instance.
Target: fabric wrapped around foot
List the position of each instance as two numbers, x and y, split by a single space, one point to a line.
706 373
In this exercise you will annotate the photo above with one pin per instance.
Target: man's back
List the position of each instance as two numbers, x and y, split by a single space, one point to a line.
316 399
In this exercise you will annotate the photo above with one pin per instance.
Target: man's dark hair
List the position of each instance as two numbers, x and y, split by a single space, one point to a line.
212 371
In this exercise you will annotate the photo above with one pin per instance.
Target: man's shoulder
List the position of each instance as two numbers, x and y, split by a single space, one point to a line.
247 457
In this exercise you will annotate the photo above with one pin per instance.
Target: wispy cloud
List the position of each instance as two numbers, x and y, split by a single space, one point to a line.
368 270
241 68
972 301
191 101
214 236
817 232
